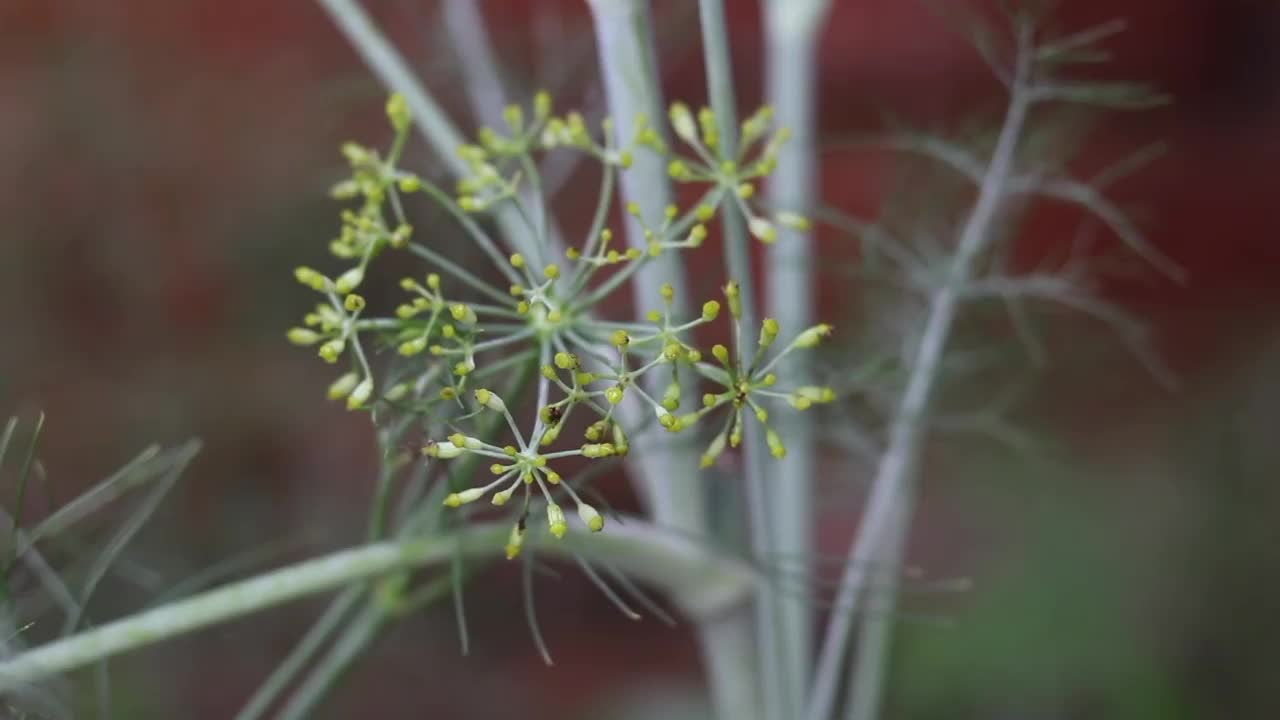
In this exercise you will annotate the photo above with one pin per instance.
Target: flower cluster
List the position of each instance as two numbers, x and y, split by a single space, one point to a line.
457 330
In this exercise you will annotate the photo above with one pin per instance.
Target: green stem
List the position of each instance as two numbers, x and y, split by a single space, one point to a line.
360 634
792 29
284 673
625 43
705 580
666 470
779 679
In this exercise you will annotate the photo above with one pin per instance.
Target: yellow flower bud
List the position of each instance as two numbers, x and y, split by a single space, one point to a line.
311 278
734 296
768 332
515 541
303 336
597 450
360 394
409 348
353 303
710 310
398 111
614 394
332 350
343 386
566 361
490 400
620 338
682 122
776 448
713 451
593 519
442 450
551 435
349 280
555 520
464 497
814 335
721 353
400 236
463 313
517 260
542 105
762 229
514 115
794 221
671 396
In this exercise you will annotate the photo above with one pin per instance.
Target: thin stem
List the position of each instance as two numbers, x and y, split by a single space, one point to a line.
457 271
792 30
624 38
394 72
301 654
893 489
359 635
582 273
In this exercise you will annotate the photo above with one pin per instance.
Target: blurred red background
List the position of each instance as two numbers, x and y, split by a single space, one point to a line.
168 164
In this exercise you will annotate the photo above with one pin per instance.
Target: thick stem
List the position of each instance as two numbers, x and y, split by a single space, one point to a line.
470 41
729 656
792 30
707 583
871 659
625 45
779 680
894 488
668 471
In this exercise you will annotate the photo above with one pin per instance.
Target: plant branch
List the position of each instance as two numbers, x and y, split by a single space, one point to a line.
778 679
884 521
432 122
704 580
